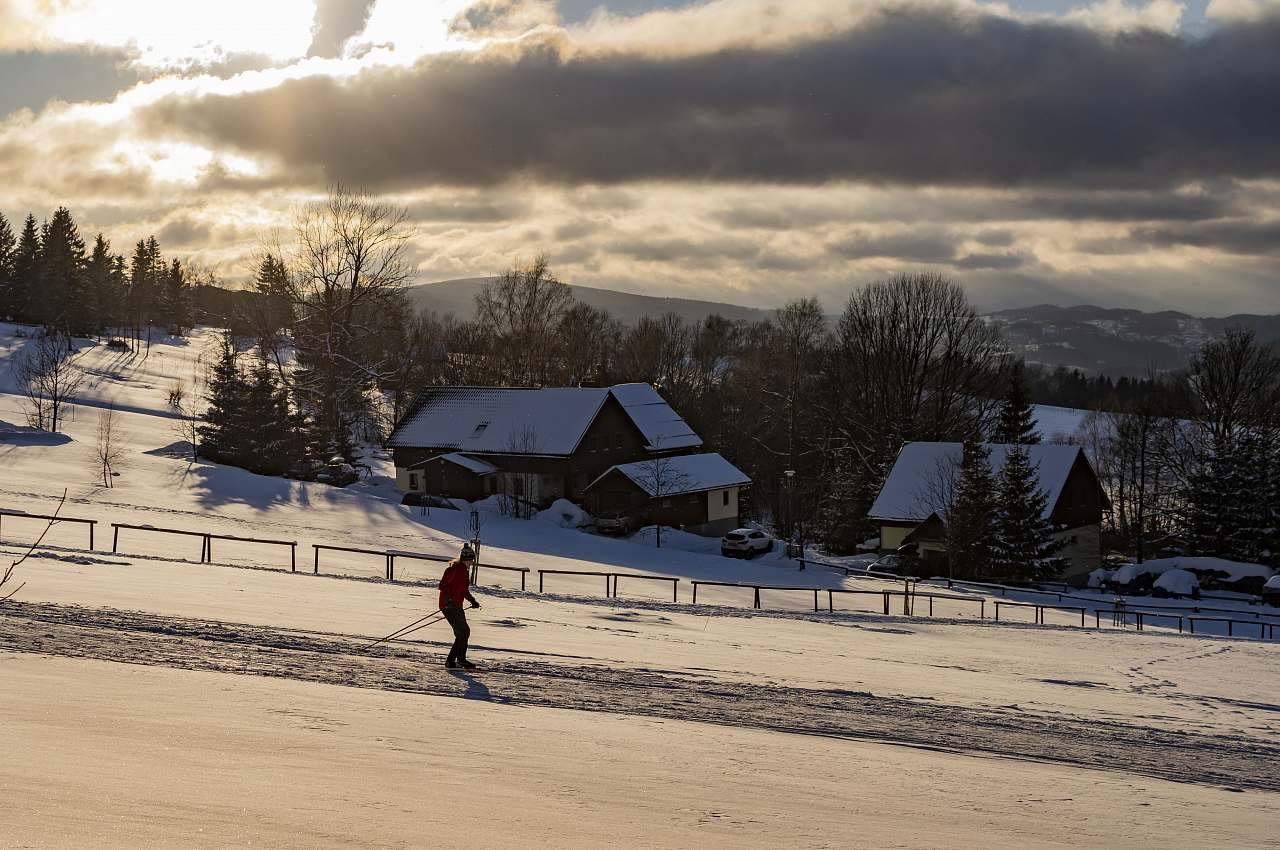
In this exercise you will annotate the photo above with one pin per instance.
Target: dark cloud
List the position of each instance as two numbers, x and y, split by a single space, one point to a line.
1235 236
32 79
498 18
336 22
993 261
995 238
920 246
987 101
183 231
474 211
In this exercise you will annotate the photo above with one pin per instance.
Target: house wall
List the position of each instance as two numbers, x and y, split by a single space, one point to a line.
611 439
1082 550
893 535
1080 503
722 504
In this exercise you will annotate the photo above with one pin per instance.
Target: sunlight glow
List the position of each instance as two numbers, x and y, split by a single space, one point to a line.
168 34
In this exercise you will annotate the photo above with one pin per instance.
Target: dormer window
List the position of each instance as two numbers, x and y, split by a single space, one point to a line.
480 428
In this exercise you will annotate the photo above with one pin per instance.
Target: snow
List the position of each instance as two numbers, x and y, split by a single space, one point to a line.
684 474
921 476
151 700
479 467
1058 424
565 514
1177 583
548 420
1234 570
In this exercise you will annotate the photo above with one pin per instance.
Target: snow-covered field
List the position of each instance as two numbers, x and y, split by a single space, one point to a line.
149 700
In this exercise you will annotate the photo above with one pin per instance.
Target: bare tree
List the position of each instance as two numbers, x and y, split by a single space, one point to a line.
49 377
521 312
662 477
351 257
108 449
7 576
184 400
517 496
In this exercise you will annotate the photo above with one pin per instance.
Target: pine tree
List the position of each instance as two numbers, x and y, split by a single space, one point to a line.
62 275
971 520
8 250
176 298
272 445
226 433
26 262
1017 423
1025 545
100 298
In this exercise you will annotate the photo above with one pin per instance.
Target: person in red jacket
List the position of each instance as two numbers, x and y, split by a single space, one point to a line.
455 586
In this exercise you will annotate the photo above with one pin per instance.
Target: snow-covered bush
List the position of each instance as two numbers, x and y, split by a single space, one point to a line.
1211 573
565 514
1176 584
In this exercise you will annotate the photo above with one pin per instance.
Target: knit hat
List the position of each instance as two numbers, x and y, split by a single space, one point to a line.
467 554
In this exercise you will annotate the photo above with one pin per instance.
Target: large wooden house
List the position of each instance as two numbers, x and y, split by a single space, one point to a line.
539 445
911 505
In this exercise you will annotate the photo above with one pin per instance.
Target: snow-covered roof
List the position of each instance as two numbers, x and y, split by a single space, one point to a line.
473 464
547 421
1273 583
920 481
682 474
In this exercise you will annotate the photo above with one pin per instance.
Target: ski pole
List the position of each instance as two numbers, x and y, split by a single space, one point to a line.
416 624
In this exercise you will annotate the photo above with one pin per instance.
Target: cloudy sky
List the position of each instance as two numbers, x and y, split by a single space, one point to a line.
738 150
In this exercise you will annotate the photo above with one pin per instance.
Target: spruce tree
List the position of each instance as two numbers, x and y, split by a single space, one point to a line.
971 523
226 433
176 298
1025 546
272 445
1017 422
62 276
26 262
100 298
8 249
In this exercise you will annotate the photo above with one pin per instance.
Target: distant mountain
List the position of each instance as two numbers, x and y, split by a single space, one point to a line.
459 298
1116 341
1103 340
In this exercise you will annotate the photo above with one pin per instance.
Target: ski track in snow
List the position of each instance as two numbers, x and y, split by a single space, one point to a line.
1236 762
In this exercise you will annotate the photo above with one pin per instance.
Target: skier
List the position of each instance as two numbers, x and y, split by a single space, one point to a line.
455 587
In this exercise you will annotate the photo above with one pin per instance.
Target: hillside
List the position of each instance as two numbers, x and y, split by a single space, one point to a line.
237 703
1116 341
459 298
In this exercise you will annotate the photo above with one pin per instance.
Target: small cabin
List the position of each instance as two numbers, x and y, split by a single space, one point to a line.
912 503
699 493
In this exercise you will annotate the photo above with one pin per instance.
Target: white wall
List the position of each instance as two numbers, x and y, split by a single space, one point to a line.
717 509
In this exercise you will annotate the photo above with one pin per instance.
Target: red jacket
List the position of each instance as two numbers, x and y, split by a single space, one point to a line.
454 584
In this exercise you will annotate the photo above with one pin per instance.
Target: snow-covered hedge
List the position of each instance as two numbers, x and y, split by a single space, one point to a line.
1176 584
565 514
1211 573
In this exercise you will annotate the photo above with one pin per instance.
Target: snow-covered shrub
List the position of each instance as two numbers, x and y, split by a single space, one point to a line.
565 514
1176 584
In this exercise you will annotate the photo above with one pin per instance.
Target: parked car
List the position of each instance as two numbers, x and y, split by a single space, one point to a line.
615 522
745 543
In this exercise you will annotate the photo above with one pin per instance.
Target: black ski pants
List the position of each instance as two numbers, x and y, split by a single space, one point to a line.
461 633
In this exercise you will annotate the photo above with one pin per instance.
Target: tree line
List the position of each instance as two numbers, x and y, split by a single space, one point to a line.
49 277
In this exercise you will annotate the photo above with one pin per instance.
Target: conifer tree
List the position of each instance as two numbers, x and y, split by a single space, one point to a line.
177 298
62 275
1025 545
100 299
1017 422
26 261
226 433
272 446
971 520
8 249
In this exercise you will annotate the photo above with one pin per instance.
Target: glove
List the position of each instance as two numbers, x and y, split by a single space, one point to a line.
474 604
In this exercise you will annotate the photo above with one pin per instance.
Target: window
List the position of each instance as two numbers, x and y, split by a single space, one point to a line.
726 498
480 429
413 481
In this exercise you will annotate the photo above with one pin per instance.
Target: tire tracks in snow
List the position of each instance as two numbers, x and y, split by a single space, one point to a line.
1237 762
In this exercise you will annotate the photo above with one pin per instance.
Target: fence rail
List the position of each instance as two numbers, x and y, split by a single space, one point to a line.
382 553
92 523
1039 609
117 526
292 544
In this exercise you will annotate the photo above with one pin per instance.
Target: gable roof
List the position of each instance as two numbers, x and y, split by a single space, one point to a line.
531 421
689 474
919 483
471 464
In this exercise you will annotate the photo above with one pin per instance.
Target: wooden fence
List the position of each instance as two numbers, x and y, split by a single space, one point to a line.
92 523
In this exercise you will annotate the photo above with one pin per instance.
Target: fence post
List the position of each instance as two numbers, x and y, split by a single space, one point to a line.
115 537
757 589
539 581
207 550
997 602
91 525
886 603
293 557
316 569
831 604
522 575
391 567
695 593
815 600
675 590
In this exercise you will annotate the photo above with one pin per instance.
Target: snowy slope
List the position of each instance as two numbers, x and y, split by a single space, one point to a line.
209 706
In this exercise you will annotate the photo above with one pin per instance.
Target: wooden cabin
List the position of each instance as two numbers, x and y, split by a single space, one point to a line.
912 502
